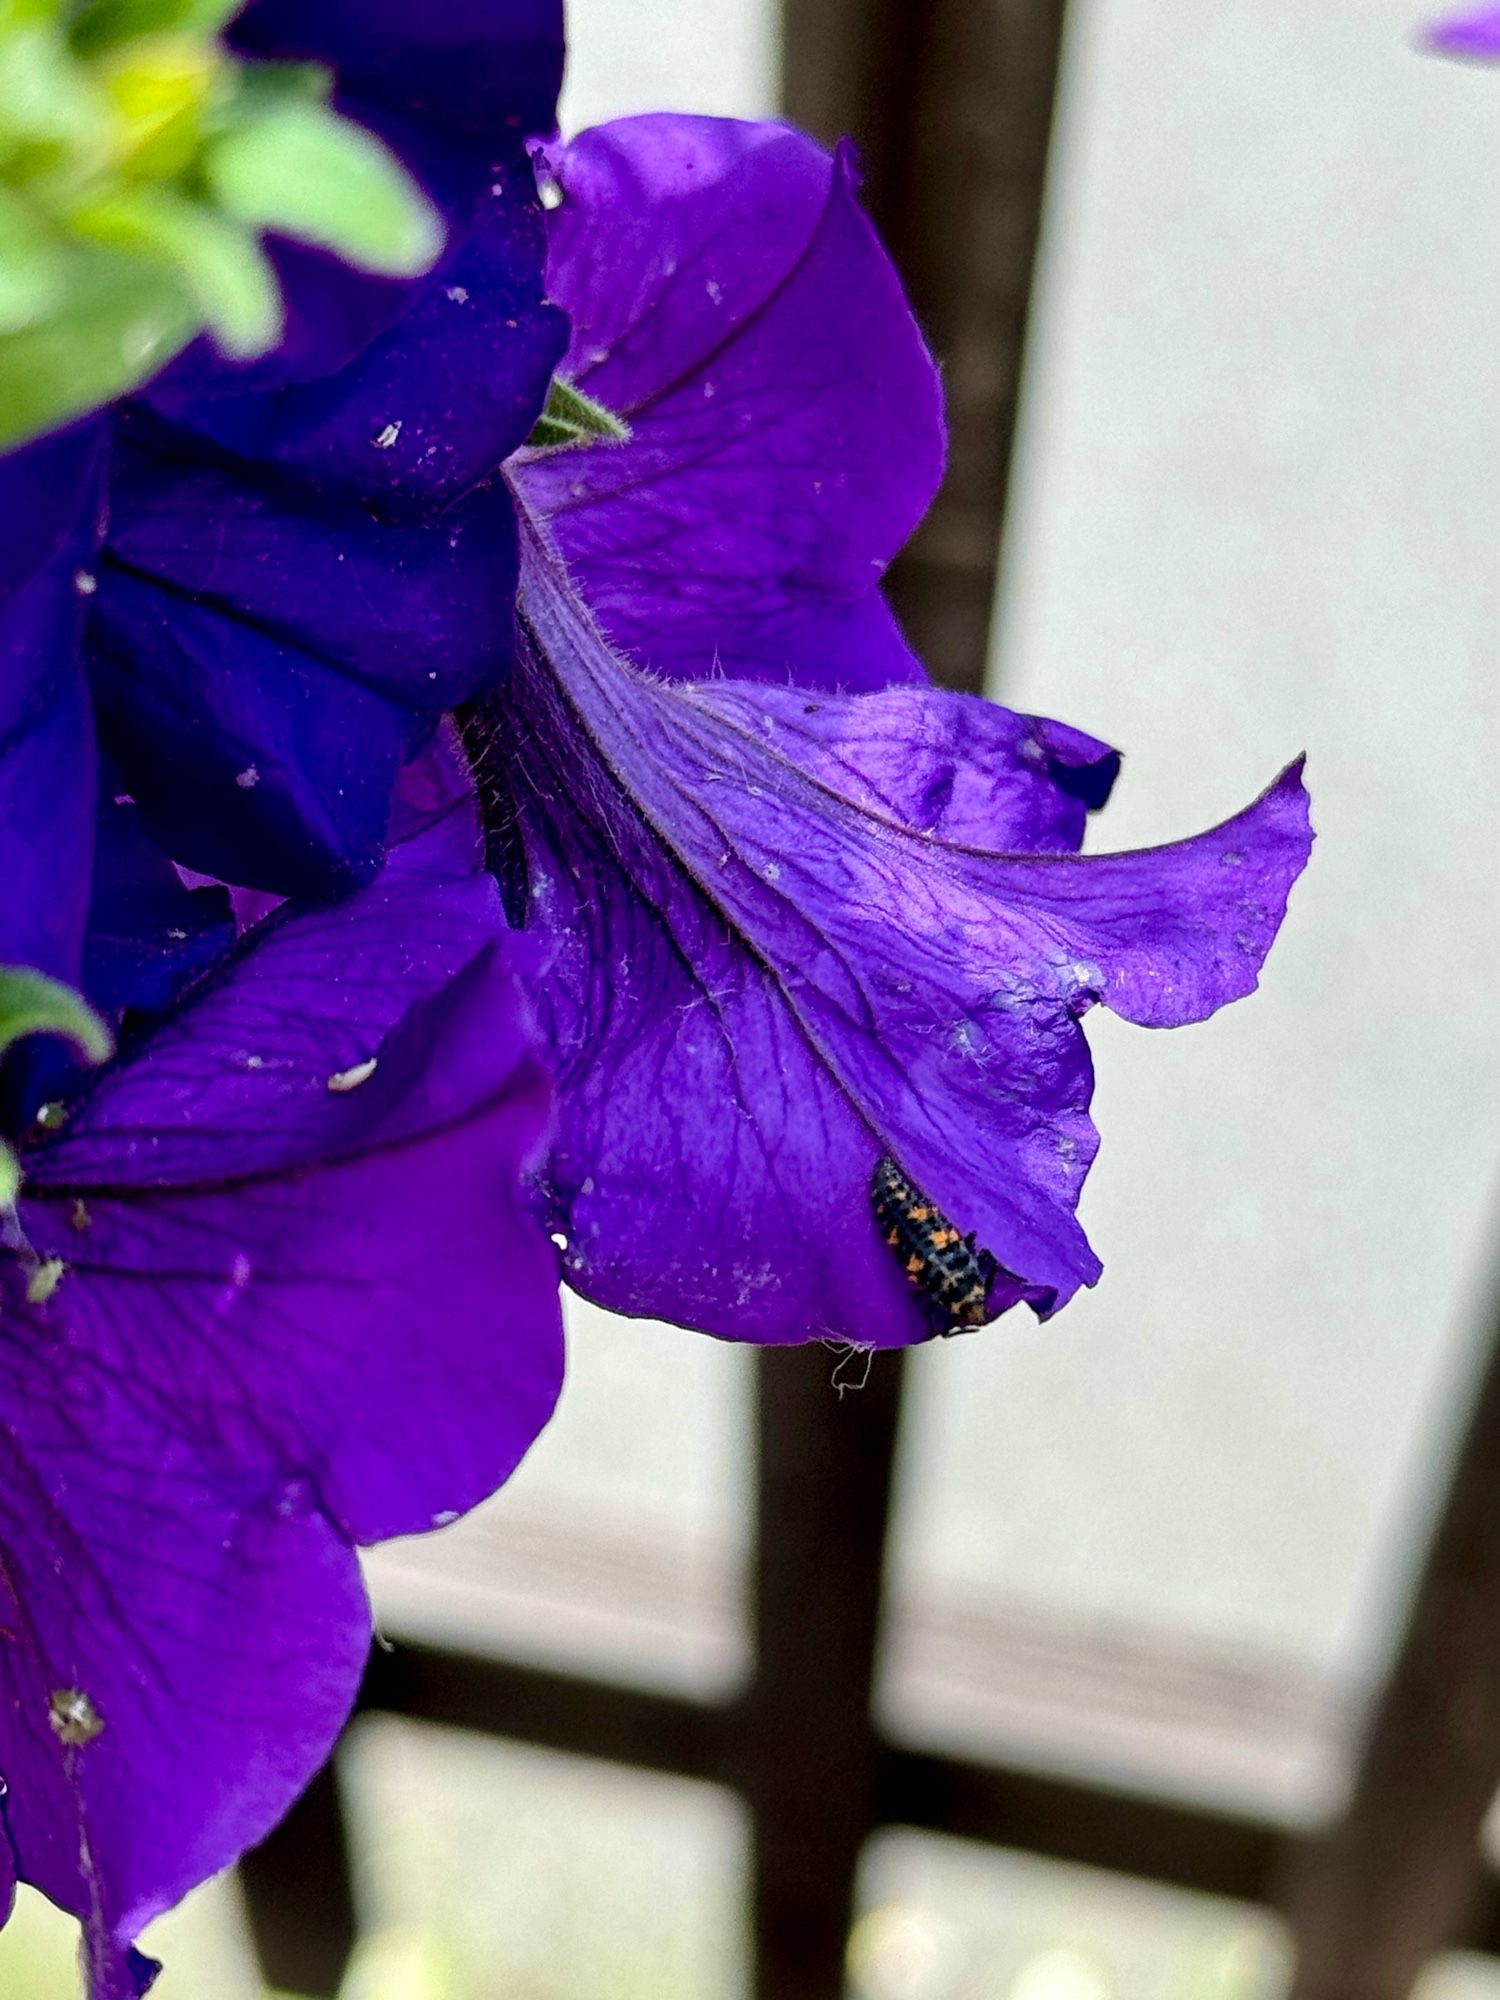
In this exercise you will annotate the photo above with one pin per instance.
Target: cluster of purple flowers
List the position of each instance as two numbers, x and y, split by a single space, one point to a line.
705 906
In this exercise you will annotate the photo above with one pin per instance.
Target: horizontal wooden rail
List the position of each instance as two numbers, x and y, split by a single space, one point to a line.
1172 1842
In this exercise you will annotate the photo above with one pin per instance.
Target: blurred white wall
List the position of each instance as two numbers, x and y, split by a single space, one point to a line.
1257 511
669 55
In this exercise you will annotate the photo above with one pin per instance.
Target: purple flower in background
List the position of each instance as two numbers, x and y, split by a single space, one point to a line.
235 1341
1473 33
798 931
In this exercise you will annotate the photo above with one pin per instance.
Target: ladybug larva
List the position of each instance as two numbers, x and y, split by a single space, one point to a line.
943 1265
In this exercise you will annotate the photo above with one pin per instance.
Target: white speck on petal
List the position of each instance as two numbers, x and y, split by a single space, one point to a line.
350 1079
459 294
239 1271
247 779
384 439
549 190
772 871
715 290
85 582
446 1519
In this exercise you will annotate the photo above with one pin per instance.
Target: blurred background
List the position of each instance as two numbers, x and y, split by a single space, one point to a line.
1165 1543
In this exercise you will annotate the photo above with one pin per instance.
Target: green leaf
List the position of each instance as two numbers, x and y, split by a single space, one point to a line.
32 264
48 105
120 321
571 418
299 169
33 1004
220 264
102 24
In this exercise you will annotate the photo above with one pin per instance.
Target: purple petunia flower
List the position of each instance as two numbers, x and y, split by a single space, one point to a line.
1473 33
276 578
236 1340
782 922
799 932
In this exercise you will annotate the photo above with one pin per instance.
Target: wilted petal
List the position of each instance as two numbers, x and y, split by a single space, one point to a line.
792 944
732 303
260 1349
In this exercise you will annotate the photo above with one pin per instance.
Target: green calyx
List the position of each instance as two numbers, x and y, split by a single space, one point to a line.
33 1004
571 419
140 163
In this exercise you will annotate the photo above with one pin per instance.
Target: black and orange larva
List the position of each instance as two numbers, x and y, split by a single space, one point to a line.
943 1265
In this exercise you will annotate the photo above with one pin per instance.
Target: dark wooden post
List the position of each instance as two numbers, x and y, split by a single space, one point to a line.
298 1896
809 1758
950 102
1394 1881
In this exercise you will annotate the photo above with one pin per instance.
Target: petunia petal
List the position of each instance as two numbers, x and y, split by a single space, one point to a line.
148 934
421 612
791 944
453 89
49 498
431 406
300 642
488 66
250 760
252 1347
732 303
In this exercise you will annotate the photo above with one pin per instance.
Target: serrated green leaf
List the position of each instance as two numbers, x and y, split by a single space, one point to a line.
33 1004
301 170
32 264
120 321
571 418
220 264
